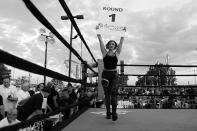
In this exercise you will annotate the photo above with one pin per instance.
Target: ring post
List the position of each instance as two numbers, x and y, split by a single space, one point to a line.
84 77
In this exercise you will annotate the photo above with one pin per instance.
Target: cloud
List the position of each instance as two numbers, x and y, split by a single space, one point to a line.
155 28
162 28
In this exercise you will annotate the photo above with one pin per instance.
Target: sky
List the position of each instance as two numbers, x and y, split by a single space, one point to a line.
155 29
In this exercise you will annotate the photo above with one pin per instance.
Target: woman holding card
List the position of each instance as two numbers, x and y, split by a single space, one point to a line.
109 81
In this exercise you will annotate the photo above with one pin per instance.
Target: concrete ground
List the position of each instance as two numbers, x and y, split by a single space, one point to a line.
136 120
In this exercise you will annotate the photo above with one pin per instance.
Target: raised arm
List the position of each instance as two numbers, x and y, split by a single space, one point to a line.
103 50
120 46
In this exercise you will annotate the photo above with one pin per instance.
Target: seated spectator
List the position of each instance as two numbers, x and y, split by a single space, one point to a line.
85 98
33 105
65 100
178 103
9 94
10 119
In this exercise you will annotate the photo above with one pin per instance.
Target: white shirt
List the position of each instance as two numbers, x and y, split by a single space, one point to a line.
44 103
4 122
21 94
5 92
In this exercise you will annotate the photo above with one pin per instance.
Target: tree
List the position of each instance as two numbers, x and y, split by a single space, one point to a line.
4 72
123 80
160 79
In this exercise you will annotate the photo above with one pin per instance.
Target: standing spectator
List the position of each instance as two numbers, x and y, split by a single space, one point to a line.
31 92
2 112
38 90
72 97
53 99
23 92
10 119
9 94
71 92
39 87
80 94
33 106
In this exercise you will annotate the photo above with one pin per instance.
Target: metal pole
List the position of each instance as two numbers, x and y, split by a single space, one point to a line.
29 78
81 48
77 72
45 61
84 77
71 34
195 76
13 72
81 57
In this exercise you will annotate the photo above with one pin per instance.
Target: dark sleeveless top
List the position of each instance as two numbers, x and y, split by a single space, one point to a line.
110 62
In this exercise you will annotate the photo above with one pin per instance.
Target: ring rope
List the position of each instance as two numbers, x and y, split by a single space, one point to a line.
70 16
20 63
170 86
32 8
158 75
123 94
29 122
158 65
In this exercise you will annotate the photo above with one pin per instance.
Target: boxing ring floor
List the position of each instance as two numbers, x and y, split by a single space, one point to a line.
136 120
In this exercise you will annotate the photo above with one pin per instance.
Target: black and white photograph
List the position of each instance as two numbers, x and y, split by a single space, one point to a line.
98 65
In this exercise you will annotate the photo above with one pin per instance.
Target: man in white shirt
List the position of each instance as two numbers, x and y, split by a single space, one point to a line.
23 92
33 106
9 94
10 119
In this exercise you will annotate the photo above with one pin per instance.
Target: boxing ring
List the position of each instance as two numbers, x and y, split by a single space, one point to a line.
93 119
41 122
136 120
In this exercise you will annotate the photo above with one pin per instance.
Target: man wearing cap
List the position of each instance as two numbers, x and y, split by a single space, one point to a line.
33 105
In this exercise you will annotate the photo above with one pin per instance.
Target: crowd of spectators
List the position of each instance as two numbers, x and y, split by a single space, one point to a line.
21 102
183 97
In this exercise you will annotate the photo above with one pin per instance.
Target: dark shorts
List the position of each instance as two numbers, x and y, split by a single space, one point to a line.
110 82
